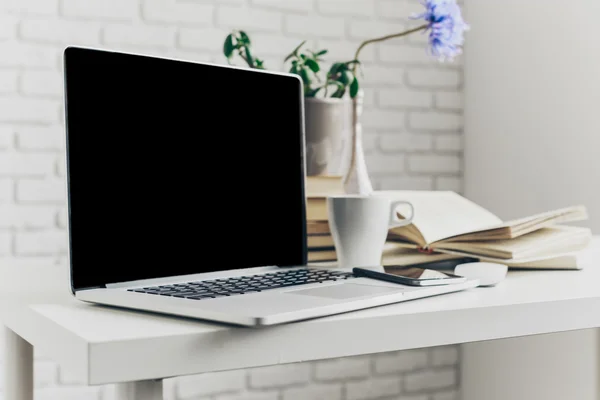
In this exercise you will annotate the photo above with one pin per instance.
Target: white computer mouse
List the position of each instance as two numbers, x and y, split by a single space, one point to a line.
489 274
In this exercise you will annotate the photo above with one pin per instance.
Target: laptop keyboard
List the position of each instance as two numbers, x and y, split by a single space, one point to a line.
244 284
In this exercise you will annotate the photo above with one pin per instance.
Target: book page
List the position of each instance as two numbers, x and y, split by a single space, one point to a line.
556 238
522 226
443 214
562 215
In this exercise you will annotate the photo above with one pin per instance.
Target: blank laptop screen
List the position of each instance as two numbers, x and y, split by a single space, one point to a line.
178 168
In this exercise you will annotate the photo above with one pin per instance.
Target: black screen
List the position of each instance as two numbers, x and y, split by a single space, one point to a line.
176 168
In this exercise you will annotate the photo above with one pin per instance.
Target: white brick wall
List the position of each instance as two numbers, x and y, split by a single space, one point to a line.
412 138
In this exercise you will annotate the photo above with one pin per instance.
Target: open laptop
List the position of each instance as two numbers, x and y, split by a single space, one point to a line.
186 194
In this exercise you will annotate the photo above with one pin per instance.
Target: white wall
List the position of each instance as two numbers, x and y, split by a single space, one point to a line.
532 92
532 97
412 119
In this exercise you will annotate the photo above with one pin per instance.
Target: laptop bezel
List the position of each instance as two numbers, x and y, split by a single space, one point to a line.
302 138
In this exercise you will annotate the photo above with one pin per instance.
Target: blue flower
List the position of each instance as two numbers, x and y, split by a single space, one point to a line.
445 27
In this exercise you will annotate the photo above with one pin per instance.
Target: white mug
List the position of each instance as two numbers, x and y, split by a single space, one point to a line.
359 226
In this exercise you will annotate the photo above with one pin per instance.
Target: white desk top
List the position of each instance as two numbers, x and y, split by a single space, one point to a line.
109 345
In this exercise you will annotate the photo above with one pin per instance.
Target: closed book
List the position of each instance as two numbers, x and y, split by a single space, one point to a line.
317 227
543 261
316 209
324 185
322 255
319 241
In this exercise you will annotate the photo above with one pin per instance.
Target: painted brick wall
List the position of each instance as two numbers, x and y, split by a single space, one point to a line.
412 123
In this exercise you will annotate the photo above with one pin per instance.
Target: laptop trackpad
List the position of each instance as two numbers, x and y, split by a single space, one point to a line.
345 291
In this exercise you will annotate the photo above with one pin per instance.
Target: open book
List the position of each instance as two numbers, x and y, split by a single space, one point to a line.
446 222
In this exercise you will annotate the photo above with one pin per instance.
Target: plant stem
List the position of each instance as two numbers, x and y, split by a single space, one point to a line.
384 38
241 54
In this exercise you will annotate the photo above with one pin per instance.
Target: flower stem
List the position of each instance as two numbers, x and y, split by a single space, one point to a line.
355 105
384 38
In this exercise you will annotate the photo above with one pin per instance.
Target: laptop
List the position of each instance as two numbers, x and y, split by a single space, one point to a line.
186 194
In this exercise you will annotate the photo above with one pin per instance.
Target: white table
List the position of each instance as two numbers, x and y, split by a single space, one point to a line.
104 345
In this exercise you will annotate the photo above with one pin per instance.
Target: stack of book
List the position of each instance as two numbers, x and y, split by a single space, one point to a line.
319 239
448 226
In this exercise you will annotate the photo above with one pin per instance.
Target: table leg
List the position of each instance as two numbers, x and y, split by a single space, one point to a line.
18 367
142 390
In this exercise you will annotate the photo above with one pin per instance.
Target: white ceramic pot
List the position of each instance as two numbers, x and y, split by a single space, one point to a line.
328 126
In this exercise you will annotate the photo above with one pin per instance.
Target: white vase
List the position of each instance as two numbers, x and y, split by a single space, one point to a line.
357 179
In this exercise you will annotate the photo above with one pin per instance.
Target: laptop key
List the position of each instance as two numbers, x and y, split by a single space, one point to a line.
188 293
264 287
202 293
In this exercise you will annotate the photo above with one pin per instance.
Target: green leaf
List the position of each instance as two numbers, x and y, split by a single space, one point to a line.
312 92
249 57
259 64
335 68
312 64
304 75
244 37
295 52
228 46
322 52
346 77
354 88
339 93
338 85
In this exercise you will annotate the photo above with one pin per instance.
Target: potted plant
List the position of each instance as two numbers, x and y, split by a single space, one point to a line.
326 97
326 106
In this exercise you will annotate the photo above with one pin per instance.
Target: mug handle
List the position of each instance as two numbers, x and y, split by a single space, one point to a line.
395 222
